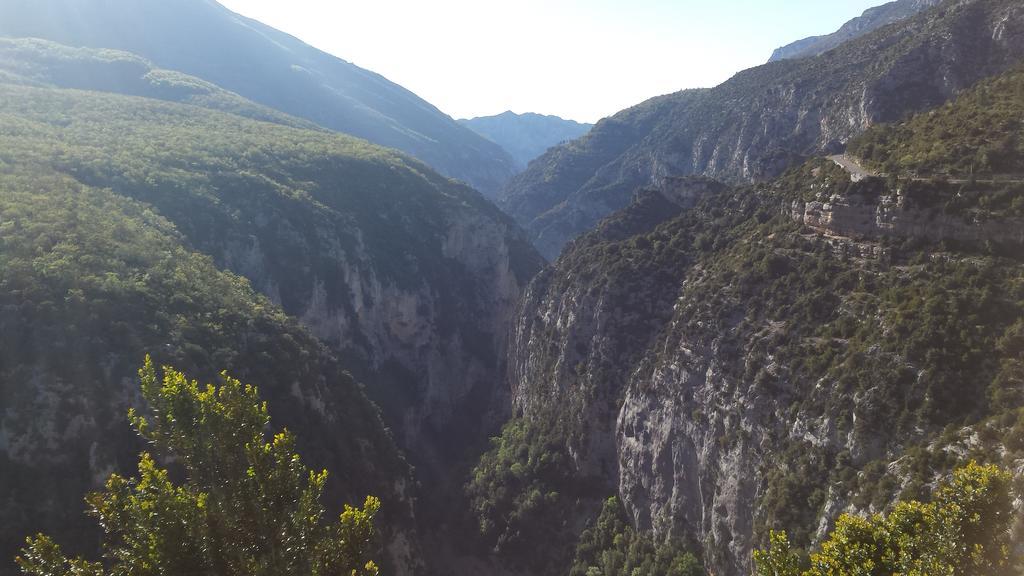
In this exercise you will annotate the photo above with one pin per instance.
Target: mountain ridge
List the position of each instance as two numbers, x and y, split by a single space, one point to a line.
870 20
268 67
526 136
766 119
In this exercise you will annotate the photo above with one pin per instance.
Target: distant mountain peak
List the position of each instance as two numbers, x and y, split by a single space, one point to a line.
528 135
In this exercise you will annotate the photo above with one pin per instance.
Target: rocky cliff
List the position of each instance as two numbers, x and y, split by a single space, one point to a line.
409 277
94 282
773 355
766 119
749 387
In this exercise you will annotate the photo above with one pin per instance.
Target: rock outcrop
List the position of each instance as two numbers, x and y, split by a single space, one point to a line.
893 215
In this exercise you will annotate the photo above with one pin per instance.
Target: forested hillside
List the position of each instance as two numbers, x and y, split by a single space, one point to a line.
407 276
269 67
978 134
783 333
91 283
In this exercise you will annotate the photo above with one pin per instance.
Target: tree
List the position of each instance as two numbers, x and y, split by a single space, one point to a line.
964 531
246 507
779 559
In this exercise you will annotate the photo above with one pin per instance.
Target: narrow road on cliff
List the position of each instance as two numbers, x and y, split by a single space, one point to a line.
857 171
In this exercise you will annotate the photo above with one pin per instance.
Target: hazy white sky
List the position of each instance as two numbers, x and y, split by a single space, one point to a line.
579 59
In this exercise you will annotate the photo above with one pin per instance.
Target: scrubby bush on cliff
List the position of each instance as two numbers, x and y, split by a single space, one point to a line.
964 531
612 547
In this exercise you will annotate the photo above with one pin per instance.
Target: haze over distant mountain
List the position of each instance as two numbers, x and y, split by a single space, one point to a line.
205 39
872 19
526 136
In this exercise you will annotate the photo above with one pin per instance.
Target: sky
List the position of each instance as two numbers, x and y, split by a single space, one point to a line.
578 59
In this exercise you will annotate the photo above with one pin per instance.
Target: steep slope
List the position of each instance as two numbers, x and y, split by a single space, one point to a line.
526 136
91 282
407 275
379 256
977 135
41 63
766 119
871 20
204 39
772 355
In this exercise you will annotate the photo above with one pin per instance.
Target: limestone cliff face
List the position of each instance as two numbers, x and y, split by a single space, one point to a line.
683 351
766 119
434 347
894 215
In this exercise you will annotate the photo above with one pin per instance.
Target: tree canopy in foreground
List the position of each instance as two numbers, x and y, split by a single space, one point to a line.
246 506
963 531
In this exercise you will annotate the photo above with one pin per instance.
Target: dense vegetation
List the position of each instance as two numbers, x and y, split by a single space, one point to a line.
309 217
852 371
109 202
519 491
89 282
963 531
246 507
612 547
979 134
35 62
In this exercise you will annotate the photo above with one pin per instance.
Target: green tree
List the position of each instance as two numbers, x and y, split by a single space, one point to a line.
247 506
964 531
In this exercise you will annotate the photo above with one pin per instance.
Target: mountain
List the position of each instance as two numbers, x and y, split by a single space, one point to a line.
92 282
203 39
36 62
526 136
765 119
186 225
732 360
872 19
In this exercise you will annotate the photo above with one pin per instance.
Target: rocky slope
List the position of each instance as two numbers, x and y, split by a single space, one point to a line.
526 136
872 19
204 39
406 275
91 283
766 119
738 365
